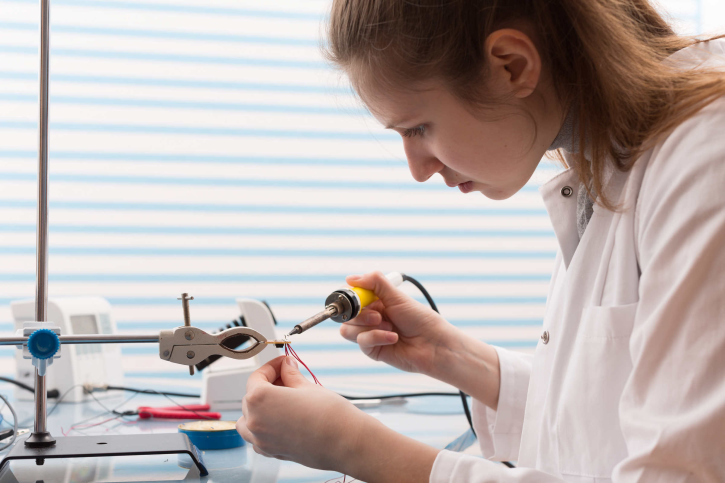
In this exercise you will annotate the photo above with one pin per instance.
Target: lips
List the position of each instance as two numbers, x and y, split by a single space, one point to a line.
466 187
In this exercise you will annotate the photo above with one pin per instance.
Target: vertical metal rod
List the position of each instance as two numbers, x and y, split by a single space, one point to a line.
41 272
187 318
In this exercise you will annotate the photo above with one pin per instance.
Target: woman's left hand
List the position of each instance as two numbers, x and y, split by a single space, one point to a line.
290 418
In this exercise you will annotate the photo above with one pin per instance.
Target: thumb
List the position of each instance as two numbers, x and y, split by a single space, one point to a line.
380 285
291 375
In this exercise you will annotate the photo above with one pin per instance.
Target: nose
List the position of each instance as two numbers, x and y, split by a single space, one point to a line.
422 164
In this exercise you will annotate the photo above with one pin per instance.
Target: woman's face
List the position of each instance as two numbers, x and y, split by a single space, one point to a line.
494 152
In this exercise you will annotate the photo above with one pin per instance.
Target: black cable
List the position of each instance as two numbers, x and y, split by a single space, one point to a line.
53 393
149 391
433 306
466 410
462 394
350 398
406 395
422 289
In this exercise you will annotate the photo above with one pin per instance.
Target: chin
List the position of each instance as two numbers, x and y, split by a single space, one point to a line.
497 194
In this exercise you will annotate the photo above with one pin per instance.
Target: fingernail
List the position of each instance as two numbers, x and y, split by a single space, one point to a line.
391 336
354 277
292 362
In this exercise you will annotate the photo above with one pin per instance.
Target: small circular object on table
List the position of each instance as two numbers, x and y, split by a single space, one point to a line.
43 343
212 434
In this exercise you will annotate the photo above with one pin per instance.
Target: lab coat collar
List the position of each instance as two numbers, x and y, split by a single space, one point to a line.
560 198
560 195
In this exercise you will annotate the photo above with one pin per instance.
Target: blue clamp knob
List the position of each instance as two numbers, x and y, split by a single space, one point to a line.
43 344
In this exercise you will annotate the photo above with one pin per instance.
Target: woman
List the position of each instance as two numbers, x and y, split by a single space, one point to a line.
628 380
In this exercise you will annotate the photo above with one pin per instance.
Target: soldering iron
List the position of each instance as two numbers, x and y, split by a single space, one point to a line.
345 304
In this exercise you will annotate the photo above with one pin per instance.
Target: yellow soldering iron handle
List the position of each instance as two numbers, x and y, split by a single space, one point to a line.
367 297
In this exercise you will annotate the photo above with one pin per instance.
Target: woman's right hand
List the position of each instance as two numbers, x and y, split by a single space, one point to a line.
396 329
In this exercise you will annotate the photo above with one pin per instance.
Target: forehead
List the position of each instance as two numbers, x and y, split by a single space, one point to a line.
396 106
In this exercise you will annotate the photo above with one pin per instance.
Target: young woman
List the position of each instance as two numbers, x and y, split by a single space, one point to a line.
628 380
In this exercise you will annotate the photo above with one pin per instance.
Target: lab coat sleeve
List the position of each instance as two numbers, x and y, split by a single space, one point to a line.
672 409
499 432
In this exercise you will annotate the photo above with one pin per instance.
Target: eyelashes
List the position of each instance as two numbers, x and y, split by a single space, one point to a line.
415 131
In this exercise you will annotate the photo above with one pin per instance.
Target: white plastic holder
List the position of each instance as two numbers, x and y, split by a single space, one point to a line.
26 331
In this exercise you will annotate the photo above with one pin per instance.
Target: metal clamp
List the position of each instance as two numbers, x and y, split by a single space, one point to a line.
189 345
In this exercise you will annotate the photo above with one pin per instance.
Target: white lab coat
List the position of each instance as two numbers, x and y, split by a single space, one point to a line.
630 385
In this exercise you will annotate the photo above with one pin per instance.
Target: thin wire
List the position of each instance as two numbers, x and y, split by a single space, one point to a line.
343 480
107 411
15 424
60 399
288 350
200 416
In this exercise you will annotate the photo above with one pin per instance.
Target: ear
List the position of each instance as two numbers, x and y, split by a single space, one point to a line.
514 62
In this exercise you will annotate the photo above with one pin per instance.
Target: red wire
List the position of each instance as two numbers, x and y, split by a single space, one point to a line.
289 351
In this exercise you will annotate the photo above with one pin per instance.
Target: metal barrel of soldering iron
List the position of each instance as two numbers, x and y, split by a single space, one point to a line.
345 304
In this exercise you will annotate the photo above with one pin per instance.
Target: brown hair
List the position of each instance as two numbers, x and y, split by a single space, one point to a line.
605 58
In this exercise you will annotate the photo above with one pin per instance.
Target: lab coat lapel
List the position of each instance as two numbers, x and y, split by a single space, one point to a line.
559 195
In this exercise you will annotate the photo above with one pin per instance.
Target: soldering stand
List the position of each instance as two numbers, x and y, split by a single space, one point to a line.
41 444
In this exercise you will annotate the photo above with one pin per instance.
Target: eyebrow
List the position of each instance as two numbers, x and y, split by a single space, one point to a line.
397 124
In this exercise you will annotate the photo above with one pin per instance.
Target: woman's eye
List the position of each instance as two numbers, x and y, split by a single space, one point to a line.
415 131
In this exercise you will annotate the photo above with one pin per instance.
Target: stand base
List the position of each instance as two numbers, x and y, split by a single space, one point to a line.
113 445
40 440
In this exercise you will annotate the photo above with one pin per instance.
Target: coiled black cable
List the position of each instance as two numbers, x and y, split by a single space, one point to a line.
463 395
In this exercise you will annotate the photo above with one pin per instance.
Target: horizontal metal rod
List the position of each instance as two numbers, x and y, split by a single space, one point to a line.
90 339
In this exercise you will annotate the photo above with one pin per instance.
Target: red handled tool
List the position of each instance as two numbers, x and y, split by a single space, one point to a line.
188 411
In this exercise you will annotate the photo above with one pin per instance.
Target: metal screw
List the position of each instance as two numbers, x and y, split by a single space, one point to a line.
189 335
190 354
166 353
185 304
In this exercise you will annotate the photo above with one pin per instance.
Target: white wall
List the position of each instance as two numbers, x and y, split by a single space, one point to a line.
206 148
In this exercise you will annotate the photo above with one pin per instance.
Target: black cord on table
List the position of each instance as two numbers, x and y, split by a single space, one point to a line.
53 393
150 391
351 398
462 394
406 395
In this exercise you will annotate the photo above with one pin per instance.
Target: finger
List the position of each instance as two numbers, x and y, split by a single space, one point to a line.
291 375
259 451
367 318
351 332
376 338
266 374
244 431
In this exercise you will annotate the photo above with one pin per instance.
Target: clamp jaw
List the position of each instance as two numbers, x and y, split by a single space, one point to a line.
189 345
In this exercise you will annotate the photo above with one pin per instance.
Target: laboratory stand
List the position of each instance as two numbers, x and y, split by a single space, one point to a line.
434 420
